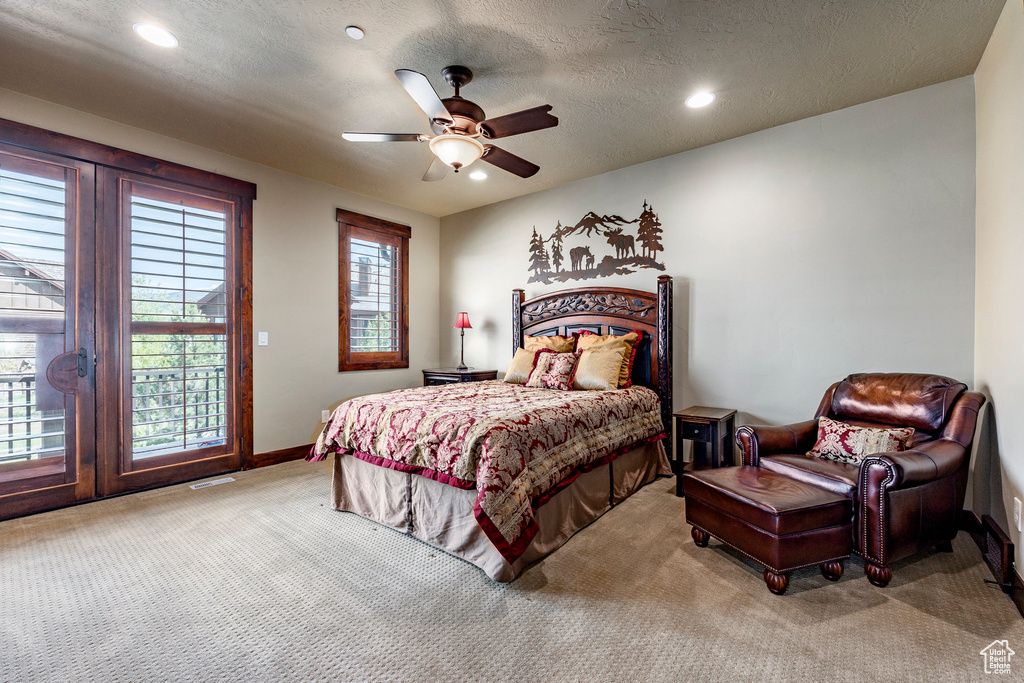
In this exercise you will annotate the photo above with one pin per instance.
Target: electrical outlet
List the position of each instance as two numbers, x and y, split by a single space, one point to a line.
325 415
1016 512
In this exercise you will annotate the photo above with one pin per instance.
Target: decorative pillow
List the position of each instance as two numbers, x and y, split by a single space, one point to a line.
847 443
552 370
598 369
520 367
588 340
559 344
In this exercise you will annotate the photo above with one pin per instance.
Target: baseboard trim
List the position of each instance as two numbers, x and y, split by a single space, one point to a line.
1017 592
278 457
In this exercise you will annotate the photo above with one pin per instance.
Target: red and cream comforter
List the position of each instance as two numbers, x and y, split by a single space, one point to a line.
515 445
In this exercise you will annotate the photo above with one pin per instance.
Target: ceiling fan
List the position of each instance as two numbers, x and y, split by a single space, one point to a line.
458 125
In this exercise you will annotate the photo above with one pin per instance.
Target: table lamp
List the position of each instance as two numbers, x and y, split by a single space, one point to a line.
462 324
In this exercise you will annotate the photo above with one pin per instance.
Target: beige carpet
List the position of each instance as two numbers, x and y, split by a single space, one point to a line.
259 580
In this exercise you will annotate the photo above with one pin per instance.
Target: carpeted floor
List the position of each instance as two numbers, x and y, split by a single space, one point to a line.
259 580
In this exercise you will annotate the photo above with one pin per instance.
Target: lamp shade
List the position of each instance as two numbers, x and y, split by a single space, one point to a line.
458 151
462 321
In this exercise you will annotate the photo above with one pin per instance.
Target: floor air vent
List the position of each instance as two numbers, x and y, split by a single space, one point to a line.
204 484
997 551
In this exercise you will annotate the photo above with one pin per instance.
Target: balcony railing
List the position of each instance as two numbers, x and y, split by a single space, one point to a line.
172 411
27 433
175 410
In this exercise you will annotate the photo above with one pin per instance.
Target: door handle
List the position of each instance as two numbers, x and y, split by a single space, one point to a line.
63 371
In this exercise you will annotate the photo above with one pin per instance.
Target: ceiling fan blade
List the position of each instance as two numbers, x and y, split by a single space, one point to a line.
438 170
523 121
507 161
381 137
417 85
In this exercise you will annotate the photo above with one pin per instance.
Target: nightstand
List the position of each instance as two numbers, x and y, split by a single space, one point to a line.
703 426
435 376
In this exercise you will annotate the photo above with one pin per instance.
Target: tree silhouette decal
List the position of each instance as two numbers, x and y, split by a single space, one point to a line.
598 246
538 255
556 252
648 232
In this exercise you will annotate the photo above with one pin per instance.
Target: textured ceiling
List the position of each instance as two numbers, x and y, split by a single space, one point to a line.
277 81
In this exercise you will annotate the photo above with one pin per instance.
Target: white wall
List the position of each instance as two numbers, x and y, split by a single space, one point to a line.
837 244
999 360
295 275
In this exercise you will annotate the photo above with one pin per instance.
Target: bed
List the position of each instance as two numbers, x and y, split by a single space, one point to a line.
501 475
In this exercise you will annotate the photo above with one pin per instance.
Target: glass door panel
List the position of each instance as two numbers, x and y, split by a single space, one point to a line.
178 340
39 362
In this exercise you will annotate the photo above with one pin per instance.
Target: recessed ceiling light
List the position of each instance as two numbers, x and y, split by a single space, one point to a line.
155 34
700 99
354 32
478 175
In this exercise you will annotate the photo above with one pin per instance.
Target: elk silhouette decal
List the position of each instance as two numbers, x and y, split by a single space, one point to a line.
547 253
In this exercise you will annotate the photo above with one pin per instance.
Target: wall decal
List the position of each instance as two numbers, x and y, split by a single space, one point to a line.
597 246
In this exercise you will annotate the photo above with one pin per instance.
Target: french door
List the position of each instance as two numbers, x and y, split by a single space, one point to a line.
47 452
170 333
125 326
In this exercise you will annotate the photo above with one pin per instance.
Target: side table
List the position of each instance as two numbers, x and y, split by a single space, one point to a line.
435 376
703 426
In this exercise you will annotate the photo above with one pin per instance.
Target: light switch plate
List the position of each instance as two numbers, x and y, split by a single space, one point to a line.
1016 512
262 339
325 415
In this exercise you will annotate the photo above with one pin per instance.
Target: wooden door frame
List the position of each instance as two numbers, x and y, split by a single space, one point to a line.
69 487
113 469
80 152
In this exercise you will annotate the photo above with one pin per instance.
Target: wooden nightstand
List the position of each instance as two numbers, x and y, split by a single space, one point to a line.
434 376
703 426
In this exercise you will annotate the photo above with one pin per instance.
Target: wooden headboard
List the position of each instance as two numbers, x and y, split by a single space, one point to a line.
609 310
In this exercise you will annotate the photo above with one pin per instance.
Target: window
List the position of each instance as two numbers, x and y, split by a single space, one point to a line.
373 293
180 339
33 221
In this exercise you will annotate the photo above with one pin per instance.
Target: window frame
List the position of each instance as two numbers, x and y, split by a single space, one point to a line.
162 190
350 224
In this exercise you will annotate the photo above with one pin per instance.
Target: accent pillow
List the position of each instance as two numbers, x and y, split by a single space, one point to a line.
849 444
552 370
588 340
559 344
598 369
520 367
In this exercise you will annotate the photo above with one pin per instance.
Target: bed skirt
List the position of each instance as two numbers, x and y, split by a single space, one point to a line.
442 515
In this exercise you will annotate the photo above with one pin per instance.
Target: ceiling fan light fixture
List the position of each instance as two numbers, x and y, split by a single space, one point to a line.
458 151
700 99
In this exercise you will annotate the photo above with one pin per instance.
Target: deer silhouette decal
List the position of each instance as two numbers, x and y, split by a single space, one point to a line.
576 256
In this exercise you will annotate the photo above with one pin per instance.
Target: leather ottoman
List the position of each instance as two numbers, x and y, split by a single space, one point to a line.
780 523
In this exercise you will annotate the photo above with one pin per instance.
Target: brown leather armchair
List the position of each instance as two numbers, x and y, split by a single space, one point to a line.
903 502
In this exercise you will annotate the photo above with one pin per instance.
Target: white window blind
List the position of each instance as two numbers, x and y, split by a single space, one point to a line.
32 260
374 306
180 382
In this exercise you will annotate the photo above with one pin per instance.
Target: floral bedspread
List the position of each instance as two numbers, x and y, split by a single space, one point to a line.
512 443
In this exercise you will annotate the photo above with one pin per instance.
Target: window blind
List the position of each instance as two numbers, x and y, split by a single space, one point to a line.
32 225
374 306
179 381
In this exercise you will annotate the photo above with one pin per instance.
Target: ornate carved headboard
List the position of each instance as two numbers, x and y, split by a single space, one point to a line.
609 310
